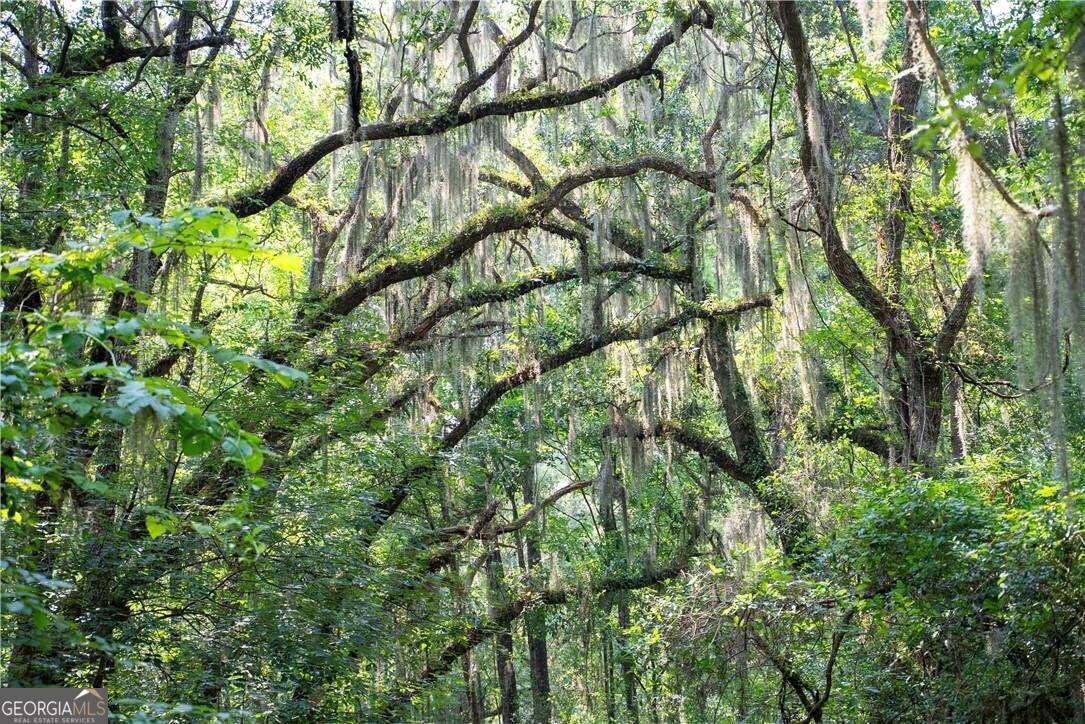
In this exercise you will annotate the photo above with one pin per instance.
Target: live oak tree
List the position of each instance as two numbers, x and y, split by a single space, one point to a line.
532 361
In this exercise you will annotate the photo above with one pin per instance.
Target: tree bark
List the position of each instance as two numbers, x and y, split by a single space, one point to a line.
922 356
100 601
503 646
535 620
735 400
608 491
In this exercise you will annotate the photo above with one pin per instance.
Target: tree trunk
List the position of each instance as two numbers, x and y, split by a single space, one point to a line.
101 600
922 412
920 396
735 400
919 403
503 646
472 707
535 619
616 555
754 466
958 422
625 660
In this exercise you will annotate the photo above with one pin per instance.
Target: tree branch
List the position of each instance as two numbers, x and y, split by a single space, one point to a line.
392 704
485 532
497 220
972 147
256 200
96 61
818 170
344 30
579 349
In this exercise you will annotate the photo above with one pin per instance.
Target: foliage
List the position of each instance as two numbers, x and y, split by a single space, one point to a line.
587 385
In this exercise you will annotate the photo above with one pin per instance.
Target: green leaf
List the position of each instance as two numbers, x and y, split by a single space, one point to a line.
290 263
195 442
81 405
126 328
244 449
284 375
139 395
73 342
203 529
120 218
156 526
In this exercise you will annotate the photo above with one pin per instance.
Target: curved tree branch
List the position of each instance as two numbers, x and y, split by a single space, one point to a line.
579 349
93 62
392 705
256 200
818 170
497 220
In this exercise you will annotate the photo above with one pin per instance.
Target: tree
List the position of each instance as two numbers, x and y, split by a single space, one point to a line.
598 361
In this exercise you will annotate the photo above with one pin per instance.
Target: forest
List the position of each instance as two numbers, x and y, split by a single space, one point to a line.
545 360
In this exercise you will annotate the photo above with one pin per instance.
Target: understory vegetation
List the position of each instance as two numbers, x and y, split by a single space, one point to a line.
595 360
